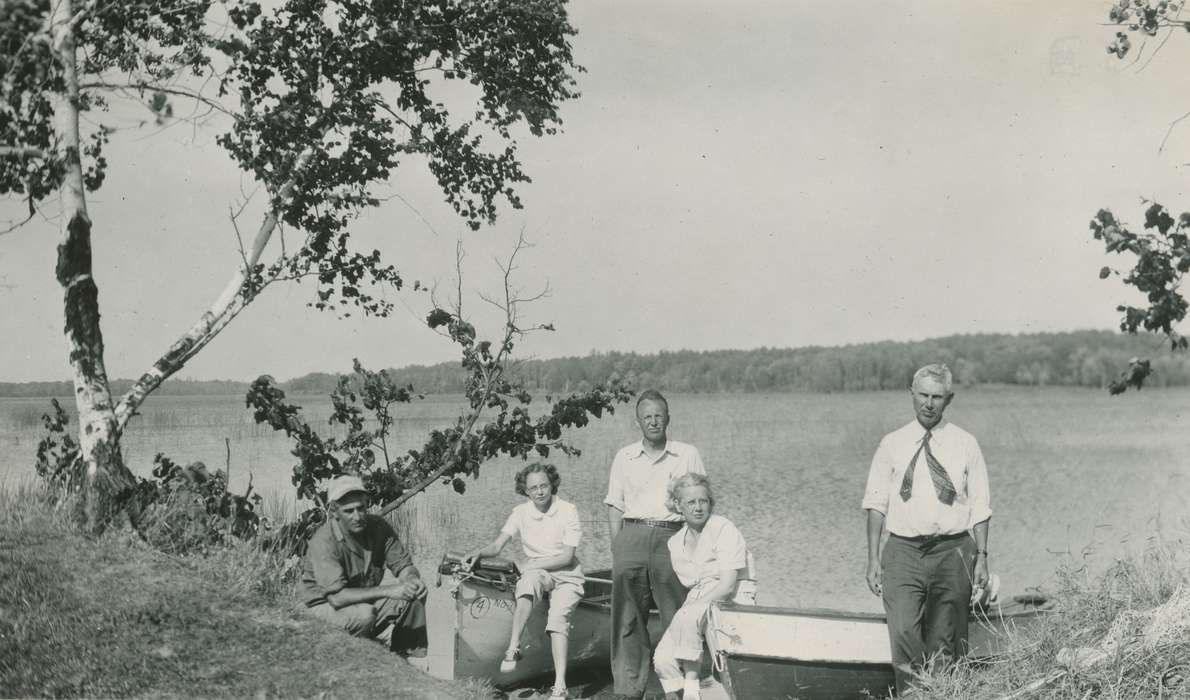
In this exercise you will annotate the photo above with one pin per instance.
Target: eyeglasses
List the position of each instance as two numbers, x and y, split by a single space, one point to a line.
542 488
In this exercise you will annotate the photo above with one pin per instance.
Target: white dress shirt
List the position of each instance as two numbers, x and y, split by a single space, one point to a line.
923 514
638 486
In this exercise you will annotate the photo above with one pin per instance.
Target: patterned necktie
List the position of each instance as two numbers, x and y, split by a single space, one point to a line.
942 483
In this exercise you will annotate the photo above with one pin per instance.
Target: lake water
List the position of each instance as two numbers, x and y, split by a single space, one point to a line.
1076 475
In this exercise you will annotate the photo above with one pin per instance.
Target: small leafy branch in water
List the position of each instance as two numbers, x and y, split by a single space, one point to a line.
1162 261
186 507
364 401
58 452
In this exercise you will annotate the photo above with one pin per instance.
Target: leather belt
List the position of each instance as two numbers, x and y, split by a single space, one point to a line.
663 524
930 539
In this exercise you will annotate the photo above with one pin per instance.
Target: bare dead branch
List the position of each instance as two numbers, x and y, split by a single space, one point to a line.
460 254
1157 50
1169 131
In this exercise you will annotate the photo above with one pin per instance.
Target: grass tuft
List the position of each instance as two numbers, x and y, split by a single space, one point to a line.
112 616
1123 635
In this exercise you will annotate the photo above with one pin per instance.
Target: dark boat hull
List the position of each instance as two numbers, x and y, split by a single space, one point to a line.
484 607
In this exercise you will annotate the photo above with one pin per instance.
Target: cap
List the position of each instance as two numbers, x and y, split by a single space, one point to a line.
340 486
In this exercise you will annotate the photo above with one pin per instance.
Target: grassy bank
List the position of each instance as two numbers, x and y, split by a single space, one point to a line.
109 616
1125 634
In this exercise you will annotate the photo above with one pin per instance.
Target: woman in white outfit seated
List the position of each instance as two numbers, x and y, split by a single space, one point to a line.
710 557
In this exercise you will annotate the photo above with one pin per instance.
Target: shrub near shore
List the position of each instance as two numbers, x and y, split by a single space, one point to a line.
1125 634
111 616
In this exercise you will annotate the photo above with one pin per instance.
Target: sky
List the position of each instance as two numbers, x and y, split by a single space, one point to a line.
734 175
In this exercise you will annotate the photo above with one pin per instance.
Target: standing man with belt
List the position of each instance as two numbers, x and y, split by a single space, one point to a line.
641 526
928 487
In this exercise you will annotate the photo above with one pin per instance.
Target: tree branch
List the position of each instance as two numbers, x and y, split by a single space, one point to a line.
1169 131
143 86
229 304
492 373
21 152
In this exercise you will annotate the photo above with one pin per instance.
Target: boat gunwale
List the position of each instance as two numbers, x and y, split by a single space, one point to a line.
833 614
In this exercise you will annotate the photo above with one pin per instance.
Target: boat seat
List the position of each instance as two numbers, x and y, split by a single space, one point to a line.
487 567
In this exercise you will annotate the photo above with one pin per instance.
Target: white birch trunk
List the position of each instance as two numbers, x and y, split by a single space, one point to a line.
106 478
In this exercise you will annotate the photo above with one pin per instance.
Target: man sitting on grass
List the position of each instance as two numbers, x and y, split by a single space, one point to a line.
344 576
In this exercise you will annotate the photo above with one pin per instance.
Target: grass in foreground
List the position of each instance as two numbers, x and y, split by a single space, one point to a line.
108 616
1123 635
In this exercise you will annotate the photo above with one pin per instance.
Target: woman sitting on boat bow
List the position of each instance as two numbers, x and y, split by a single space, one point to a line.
550 532
710 557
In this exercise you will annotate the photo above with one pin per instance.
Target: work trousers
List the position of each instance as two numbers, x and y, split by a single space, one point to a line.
642 577
408 618
927 593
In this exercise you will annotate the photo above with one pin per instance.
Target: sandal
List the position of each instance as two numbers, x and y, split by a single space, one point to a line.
510 658
559 693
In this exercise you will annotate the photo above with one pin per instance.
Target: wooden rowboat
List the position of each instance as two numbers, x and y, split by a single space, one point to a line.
484 603
782 653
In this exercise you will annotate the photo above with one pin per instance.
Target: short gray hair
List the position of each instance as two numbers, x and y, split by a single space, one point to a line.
687 479
936 371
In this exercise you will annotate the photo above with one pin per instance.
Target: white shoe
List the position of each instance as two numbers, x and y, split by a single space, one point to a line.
510 658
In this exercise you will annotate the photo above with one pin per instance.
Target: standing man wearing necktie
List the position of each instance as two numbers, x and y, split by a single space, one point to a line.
928 487
641 525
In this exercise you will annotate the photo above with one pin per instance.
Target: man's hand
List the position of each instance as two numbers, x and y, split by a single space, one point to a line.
980 579
875 575
408 589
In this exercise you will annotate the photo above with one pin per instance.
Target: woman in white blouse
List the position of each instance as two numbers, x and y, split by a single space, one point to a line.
710 557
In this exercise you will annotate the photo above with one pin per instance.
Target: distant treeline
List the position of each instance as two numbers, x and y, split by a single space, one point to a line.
1081 358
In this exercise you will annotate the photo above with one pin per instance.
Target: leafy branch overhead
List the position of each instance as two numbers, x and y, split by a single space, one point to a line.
1146 18
1162 259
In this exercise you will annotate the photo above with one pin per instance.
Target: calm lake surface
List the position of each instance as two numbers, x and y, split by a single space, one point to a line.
1077 476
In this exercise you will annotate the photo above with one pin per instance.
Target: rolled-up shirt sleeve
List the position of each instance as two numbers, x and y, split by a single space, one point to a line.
615 486
979 497
328 572
696 465
879 481
396 557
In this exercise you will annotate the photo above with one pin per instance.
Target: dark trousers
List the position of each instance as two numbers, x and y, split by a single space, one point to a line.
642 577
927 593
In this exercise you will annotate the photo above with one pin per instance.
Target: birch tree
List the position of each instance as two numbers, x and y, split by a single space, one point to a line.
318 102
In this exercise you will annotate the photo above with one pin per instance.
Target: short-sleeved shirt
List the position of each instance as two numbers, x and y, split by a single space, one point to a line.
923 514
720 548
544 534
335 561
638 486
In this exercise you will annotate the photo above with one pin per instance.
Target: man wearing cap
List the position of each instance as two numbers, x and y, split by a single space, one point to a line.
641 525
358 576
928 487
